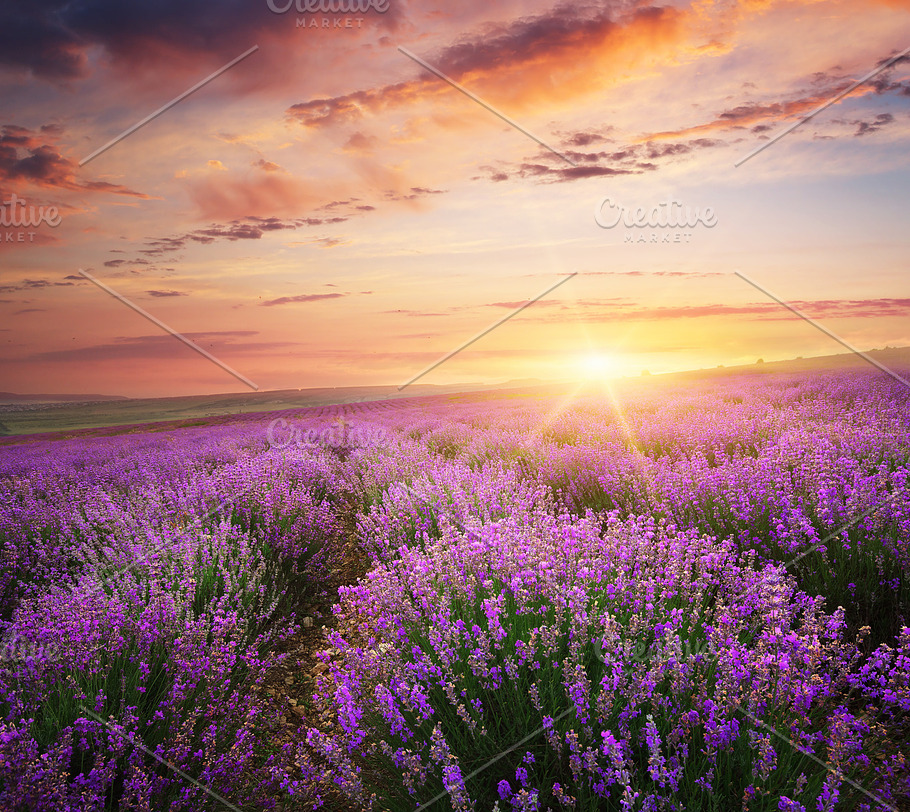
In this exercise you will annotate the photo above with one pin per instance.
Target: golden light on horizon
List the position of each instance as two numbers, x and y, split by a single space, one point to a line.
597 366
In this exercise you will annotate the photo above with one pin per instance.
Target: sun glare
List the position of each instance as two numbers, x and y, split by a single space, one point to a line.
596 365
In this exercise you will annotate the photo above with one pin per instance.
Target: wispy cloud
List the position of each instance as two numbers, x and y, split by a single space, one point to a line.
303 297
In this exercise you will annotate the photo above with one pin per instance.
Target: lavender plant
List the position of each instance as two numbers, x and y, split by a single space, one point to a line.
674 596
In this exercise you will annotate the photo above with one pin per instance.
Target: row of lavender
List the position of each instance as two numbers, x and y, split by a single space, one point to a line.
609 601
595 600
147 580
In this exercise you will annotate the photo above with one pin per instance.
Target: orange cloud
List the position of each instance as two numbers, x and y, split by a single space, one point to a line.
553 58
748 115
229 195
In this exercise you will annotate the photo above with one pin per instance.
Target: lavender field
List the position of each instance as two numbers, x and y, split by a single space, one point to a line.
677 595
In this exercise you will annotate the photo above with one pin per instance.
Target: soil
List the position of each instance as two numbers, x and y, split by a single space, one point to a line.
294 681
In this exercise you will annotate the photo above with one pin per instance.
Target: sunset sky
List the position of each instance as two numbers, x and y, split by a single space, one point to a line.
329 213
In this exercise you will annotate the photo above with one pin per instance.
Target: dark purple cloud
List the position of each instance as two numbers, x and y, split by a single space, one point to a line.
27 156
868 127
36 284
52 38
633 159
249 228
585 139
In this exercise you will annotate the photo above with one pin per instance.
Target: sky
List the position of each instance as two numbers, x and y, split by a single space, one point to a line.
330 212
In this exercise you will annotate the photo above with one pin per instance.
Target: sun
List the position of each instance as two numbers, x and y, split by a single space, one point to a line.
596 365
